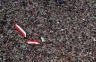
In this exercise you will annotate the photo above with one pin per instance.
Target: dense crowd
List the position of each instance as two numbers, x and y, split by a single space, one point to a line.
68 28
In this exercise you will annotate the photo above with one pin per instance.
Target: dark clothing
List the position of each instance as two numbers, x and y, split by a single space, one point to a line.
60 1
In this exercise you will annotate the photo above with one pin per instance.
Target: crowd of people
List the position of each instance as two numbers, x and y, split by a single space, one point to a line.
69 30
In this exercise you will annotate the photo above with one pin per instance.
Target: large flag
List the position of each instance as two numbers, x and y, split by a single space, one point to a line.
33 41
20 30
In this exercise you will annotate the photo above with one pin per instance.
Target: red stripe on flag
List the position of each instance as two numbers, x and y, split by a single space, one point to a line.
20 30
33 41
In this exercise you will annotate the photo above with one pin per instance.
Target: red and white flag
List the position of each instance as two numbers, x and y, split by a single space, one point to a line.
33 41
20 30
